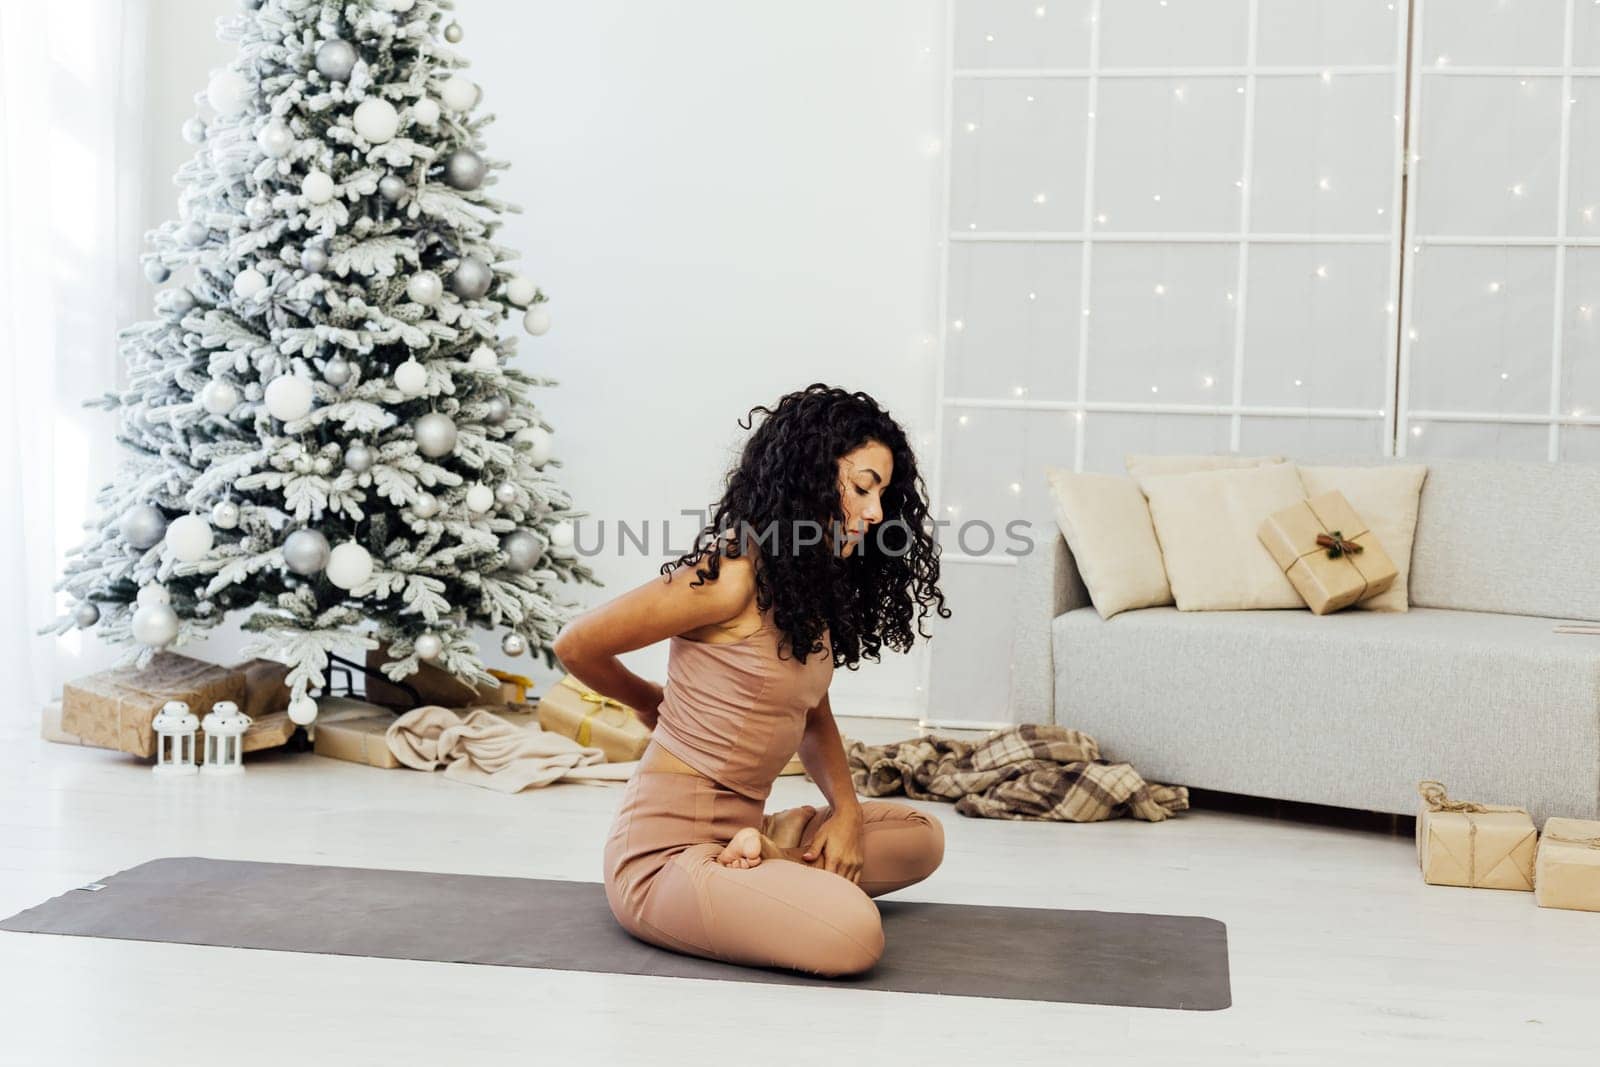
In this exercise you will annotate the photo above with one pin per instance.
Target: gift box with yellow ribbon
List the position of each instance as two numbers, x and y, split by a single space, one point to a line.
513 687
1567 874
1484 846
573 710
1328 553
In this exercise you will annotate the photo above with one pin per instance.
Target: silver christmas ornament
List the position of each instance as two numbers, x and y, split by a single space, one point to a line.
337 371
513 644
358 458
522 551
86 614
452 33
336 59
156 271
180 301
155 625
391 188
506 492
435 434
143 526
193 233
314 260
464 169
497 410
426 506
306 551
471 279
428 646
225 515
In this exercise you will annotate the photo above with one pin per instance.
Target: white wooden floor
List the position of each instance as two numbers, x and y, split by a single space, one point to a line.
1339 953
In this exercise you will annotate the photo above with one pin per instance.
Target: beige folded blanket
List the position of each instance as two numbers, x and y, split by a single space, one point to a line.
485 750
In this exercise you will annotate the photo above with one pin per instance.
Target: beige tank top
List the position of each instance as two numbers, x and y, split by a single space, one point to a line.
734 711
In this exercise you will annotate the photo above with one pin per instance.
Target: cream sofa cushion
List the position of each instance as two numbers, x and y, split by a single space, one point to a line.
1207 522
1387 498
1106 522
1139 466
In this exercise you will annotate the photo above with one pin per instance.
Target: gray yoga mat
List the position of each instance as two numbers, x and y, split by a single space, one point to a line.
1085 957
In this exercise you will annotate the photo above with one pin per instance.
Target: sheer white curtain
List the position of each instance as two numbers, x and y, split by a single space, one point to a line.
71 97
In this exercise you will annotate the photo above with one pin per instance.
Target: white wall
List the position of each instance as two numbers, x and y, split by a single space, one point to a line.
725 201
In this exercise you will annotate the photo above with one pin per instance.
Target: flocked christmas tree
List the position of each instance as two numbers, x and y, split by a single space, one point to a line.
325 427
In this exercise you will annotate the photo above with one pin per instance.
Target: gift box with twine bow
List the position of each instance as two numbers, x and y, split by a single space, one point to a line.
573 710
1567 874
1483 846
1327 553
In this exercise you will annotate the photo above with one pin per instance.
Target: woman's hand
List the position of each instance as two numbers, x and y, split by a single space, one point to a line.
838 845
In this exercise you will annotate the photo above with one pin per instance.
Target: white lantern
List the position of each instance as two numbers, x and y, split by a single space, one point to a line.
224 725
175 728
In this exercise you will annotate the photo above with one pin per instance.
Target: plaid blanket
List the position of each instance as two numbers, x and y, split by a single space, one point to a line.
1020 772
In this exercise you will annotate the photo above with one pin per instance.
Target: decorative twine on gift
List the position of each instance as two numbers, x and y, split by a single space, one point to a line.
1581 842
1337 546
600 702
1433 794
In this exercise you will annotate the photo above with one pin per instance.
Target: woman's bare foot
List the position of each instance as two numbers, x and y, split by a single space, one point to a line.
785 827
750 846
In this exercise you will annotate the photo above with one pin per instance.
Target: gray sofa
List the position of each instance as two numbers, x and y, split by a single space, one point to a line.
1471 686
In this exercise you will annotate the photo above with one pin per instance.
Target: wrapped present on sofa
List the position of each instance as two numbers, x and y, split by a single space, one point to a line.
1328 553
513 687
115 708
1567 874
1484 846
573 710
429 684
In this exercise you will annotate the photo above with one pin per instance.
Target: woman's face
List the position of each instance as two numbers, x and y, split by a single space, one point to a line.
863 477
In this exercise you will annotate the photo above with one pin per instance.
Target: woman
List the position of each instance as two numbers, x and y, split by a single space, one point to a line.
782 585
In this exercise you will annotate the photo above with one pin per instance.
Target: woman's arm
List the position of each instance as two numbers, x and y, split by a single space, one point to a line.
822 753
670 604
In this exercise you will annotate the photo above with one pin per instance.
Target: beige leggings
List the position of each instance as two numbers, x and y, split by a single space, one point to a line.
666 887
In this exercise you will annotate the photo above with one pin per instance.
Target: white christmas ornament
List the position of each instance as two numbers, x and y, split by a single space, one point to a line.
428 646
155 625
189 537
317 187
377 120
349 565
561 538
249 283
425 111
152 594
520 290
484 359
435 434
402 6
539 444
537 320
219 397
288 397
226 92
425 287
302 710
411 378
480 498
458 92
426 506
275 139
225 515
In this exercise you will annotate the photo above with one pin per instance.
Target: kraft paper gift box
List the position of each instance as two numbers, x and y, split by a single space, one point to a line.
513 687
432 684
573 710
265 691
357 741
1327 552
1567 874
115 708
1483 846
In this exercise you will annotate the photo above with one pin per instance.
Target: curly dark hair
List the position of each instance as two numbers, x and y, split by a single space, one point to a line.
784 494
